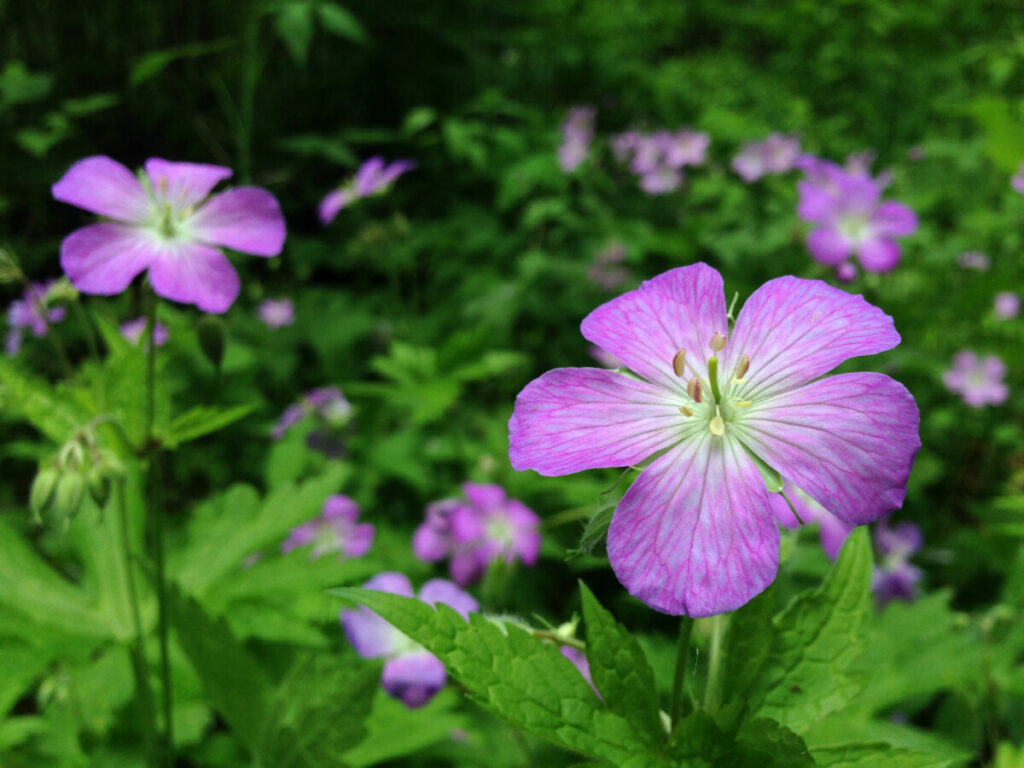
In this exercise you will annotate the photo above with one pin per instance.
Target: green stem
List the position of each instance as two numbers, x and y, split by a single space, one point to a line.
90 335
682 657
155 505
713 692
145 693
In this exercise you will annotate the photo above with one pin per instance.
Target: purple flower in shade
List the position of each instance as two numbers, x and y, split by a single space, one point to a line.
607 271
978 381
579 660
849 217
1006 305
31 313
165 221
336 530
658 158
1017 181
684 147
277 313
894 578
411 673
695 533
327 404
832 530
661 181
776 154
483 527
577 135
134 329
974 260
373 177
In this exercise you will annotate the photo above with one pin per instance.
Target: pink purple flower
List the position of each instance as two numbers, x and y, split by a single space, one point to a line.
373 177
133 330
1017 180
895 578
979 381
1006 305
411 673
776 154
658 158
845 207
483 527
577 136
277 313
164 221
326 404
695 534
607 270
336 530
32 313
832 530
974 260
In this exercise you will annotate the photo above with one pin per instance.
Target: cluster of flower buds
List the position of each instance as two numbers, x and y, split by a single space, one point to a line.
81 466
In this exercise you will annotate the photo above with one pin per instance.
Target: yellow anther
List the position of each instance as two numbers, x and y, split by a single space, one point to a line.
718 340
679 363
742 404
685 411
741 368
693 389
717 426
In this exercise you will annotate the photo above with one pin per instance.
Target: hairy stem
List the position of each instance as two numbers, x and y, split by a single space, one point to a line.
682 656
713 692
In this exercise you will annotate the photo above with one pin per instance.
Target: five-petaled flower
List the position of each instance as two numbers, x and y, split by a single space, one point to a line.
334 531
695 533
411 673
32 312
165 221
979 381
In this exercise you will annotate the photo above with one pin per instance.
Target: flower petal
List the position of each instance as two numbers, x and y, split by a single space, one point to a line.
848 441
828 246
794 330
246 219
893 219
878 255
340 507
694 534
443 591
195 274
369 634
414 678
184 185
102 185
646 328
571 419
332 203
105 258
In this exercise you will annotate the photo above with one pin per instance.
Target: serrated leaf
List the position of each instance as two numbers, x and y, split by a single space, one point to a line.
748 643
317 712
879 756
46 408
620 670
235 685
518 677
817 638
763 743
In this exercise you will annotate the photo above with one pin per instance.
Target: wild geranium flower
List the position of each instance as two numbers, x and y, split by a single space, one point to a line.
1017 181
373 177
979 381
695 533
481 528
850 218
577 136
335 531
1006 305
895 578
327 404
165 221
32 313
658 158
133 330
974 260
832 530
411 673
277 313
776 154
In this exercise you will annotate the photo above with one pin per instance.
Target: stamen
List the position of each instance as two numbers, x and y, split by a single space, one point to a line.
741 369
685 411
717 426
679 363
718 341
742 403
693 389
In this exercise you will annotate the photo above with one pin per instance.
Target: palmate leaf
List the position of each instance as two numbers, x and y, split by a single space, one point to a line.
522 679
817 638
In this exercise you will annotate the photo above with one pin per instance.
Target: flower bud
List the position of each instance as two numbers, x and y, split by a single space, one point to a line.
693 389
679 363
718 341
42 490
99 486
69 495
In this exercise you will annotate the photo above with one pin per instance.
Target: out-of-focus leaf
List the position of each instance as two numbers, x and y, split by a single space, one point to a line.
199 421
340 21
151 64
18 85
294 25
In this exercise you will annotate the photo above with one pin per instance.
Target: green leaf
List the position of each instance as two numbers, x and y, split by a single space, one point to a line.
418 119
340 21
621 670
45 407
748 643
879 756
151 64
518 677
199 421
294 25
817 638
235 685
88 105
765 743
325 147
18 85
317 713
